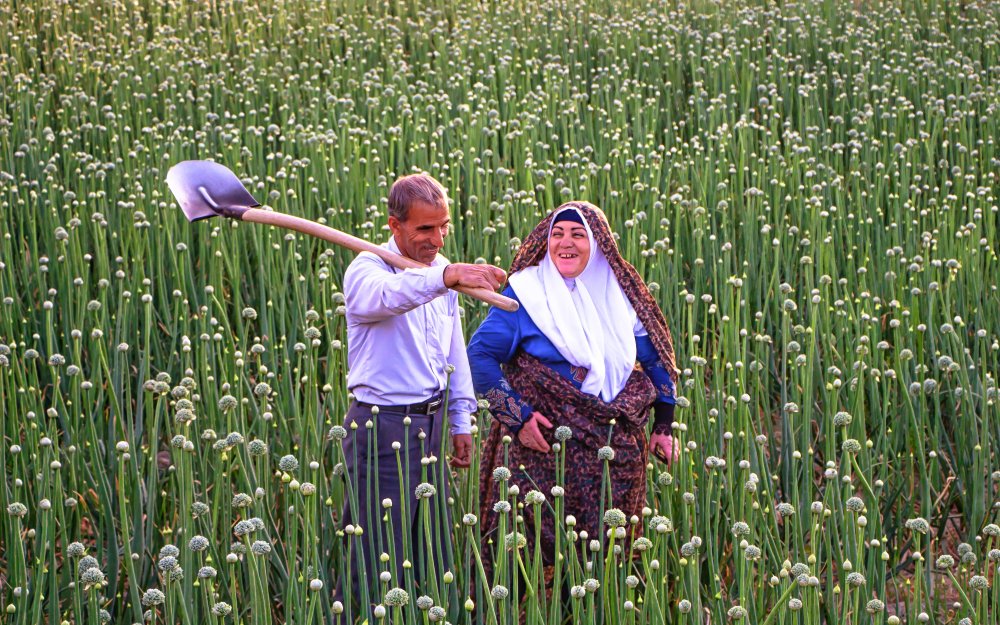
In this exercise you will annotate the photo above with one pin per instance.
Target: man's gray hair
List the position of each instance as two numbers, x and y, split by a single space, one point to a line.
415 188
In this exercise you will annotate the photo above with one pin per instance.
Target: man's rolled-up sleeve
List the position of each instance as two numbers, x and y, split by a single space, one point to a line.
462 397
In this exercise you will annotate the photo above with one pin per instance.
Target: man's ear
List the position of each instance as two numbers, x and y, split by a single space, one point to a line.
394 223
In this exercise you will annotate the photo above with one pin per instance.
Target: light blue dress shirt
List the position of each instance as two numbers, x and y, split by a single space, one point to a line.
403 330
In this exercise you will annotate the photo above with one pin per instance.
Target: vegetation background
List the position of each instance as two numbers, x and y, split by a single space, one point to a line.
810 190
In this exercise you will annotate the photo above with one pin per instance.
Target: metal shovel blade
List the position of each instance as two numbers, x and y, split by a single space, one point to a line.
205 189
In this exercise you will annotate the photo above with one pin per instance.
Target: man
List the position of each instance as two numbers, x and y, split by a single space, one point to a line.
406 352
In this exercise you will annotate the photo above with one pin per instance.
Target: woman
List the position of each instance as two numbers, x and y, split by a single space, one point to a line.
567 358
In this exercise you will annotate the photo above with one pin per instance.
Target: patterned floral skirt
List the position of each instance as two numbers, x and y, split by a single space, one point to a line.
594 424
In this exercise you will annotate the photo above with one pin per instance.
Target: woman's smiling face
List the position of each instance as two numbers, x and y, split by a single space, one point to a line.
569 248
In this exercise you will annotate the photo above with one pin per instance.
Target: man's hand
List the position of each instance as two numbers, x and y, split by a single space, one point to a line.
531 435
461 450
475 276
664 447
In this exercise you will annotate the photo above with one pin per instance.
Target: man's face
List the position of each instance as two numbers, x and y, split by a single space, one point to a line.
422 235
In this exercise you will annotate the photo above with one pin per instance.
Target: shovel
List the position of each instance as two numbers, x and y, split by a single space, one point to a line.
205 189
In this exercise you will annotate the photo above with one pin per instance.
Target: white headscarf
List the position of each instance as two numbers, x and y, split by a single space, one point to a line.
592 325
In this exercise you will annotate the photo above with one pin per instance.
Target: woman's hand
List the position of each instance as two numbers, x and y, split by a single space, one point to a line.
664 447
531 435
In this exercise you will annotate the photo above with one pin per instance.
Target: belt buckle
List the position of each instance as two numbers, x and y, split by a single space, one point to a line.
432 406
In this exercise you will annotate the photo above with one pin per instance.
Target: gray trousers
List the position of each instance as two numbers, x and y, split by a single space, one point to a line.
376 472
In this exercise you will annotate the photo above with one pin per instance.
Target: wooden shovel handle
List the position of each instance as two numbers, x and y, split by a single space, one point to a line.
351 242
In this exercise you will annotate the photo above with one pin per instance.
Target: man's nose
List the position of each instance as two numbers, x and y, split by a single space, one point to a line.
438 238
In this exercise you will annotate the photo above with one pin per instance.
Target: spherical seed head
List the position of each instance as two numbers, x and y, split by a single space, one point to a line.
260 548
991 530
103 616
968 558
563 433
227 403
578 592
424 602
557 491
591 585
688 550
945 561
683 606
798 569
851 446
964 548
855 504
501 474
642 544
169 550
794 604
307 489
92 576
234 438
249 313
262 389
515 540
338 433
737 612
238 548
469 519
207 572
500 592
222 609
288 463
85 564
425 490
752 552
856 579
396 597
874 606
919 525
177 442
257 447
842 419
167 563
993 555
436 614
786 509
242 528
664 479
198 543
152 597
502 507
75 550
606 453
242 500
817 507
534 497
614 518
740 528
316 585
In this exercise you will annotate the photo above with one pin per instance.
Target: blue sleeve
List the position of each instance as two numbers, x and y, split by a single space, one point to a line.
654 368
494 344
